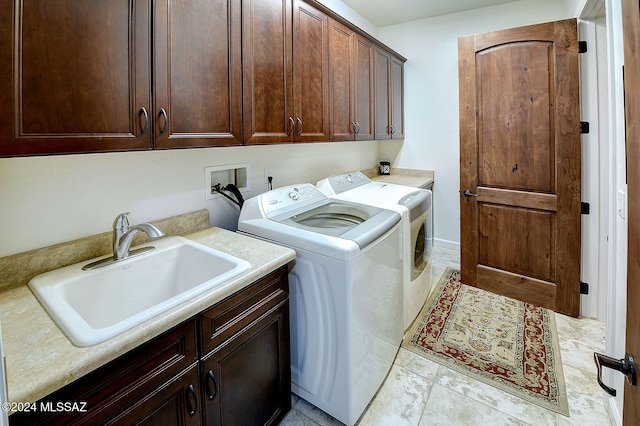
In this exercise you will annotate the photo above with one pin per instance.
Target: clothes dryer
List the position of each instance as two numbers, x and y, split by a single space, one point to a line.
415 206
345 292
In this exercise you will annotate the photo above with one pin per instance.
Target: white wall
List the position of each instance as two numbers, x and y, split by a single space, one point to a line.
48 200
431 94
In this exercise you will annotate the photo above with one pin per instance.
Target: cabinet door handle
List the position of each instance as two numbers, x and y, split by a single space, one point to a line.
300 123
191 392
357 127
166 120
353 127
211 378
292 126
144 112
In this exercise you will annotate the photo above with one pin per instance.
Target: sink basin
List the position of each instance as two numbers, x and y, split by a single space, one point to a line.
93 306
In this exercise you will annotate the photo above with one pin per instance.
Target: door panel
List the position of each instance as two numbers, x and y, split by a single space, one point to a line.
363 88
267 71
198 93
520 164
515 81
311 70
340 82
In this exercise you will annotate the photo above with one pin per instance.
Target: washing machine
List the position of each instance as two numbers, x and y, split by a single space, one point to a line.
415 206
344 292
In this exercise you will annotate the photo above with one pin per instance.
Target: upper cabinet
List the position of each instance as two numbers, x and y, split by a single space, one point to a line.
197 87
75 76
285 72
117 75
351 78
389 97
78 76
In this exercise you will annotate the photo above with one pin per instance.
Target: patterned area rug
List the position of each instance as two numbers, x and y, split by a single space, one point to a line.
500 341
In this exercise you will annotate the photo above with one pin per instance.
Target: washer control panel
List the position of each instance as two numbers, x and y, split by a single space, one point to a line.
286 198
346 181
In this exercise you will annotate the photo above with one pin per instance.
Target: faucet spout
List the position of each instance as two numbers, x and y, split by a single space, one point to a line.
123 235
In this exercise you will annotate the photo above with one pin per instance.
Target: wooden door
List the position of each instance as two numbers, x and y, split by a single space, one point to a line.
197 84
75 76
341 89
631 29
382 114
311 71
267 71
520 163
363 88
396 107
250 370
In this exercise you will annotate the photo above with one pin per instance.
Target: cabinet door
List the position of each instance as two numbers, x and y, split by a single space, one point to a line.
197 86
311 72
75 76
363 88
382 95
176 402
396 82
267 71
247 380
341 82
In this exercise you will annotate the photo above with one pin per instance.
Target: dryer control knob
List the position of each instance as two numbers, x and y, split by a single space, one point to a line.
293 195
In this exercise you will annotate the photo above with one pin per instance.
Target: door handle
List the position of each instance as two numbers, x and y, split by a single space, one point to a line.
626 366
468 193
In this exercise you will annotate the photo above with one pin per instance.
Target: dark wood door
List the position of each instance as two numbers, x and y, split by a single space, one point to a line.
383 120
520 163
363 88
177 403
267 35
74 76
311 72
396 107
252 369
341 82
631 29
197 85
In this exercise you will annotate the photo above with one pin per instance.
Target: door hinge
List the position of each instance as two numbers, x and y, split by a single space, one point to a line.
584 127
582 47
584 288
584 208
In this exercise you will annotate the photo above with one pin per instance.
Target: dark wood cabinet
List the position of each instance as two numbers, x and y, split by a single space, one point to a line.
389 95
227 365
285 72
197 87
78 76
350 84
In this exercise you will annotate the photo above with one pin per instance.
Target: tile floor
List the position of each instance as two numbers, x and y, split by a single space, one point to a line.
420 392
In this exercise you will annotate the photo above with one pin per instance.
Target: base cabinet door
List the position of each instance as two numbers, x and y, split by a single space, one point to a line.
250 370
176 402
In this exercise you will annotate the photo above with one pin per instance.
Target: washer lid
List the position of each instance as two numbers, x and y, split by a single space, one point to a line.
359 223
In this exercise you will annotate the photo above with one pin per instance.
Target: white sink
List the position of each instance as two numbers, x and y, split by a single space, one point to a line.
93 306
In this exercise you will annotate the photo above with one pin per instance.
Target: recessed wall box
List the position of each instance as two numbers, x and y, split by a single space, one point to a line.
237 174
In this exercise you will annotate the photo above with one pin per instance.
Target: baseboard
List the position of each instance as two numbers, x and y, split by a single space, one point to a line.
446 243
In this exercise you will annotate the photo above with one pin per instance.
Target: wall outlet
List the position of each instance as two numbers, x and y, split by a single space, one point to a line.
268 172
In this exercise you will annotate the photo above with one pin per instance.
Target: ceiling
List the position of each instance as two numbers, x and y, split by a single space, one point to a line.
389 12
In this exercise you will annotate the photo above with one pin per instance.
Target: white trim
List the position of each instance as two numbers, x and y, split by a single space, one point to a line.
446 243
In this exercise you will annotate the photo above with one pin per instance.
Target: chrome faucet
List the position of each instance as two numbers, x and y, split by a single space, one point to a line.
122 237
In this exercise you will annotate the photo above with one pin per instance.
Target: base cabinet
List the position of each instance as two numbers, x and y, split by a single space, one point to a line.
225 366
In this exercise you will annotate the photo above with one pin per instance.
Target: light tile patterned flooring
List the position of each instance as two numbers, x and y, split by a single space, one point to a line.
420 392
